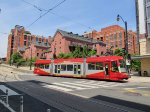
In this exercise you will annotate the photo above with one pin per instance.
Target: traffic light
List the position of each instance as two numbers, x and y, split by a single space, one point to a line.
124 51
129 56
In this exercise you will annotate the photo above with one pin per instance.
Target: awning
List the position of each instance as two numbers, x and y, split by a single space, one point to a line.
140 57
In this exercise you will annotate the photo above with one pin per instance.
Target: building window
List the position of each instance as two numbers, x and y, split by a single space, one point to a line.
29 38
120 36
37 54
37 39
45 44
148 28
25 37
28 43
115 36
101 38
120 44
147 1
148 12
25 43
102 53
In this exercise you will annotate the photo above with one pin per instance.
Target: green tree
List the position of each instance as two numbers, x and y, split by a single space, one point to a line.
85 52
135 65
65 55
61 55
91 53
77 52
16 57
119 52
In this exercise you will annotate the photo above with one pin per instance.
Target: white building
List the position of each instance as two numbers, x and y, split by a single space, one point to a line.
143 29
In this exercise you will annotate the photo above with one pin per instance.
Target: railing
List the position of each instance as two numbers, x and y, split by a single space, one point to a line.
4 99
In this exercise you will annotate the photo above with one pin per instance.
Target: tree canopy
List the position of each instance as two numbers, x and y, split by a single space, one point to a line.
78 53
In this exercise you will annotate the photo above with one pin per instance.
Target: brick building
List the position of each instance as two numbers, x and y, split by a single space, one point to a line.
37 50
20 40
114 36
65 42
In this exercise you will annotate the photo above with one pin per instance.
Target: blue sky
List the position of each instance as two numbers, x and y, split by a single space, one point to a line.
72 15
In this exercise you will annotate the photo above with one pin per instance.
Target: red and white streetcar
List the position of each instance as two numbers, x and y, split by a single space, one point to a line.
104 67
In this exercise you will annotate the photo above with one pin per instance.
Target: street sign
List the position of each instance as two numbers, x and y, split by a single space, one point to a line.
128 62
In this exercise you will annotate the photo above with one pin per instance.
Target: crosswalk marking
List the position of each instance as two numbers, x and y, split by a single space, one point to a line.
57 88
70 86
110 84
82 85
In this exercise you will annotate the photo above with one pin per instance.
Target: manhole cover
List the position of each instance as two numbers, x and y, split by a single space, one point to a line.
133 94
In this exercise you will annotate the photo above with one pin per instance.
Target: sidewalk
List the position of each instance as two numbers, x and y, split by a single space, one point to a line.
21 69
139 79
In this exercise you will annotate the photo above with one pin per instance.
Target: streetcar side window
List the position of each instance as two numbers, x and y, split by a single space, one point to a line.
95 66
99 66
47 66
41 66
91 66
114 66
69 67
63 67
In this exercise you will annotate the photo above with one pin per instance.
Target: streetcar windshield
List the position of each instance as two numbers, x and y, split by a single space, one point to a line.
122 66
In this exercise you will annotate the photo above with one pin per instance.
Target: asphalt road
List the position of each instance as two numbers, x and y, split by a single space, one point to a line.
82 95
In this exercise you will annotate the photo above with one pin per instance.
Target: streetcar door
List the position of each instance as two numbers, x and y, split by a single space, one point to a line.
107 68
58 69
77 69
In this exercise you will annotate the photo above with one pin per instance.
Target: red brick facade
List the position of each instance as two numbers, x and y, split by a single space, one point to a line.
114 36
20 40
65 42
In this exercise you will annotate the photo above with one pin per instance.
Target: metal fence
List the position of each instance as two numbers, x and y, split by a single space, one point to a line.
4 99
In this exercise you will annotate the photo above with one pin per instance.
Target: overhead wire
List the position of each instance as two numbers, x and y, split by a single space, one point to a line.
50 11
41 9
35 6
46 13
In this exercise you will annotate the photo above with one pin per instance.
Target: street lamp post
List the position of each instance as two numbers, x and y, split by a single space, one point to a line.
126 32
125 41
